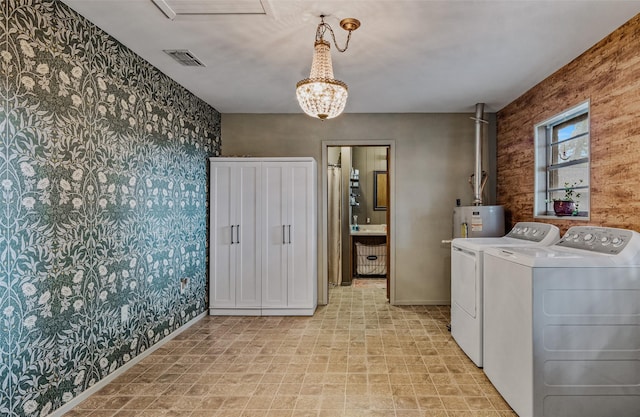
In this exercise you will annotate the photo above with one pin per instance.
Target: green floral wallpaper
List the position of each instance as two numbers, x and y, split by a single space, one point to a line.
103 189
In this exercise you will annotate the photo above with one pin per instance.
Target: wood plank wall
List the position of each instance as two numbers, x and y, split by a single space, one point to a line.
608 74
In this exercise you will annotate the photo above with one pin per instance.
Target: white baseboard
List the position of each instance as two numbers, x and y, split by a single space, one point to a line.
422 303
288 311
262 311
124 368
235 312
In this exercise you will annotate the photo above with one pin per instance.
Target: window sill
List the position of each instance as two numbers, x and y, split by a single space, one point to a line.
554 217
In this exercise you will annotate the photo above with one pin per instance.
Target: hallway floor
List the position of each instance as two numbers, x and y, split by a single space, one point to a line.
358 356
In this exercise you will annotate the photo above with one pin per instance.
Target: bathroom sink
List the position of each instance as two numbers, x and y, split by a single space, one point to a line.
370 230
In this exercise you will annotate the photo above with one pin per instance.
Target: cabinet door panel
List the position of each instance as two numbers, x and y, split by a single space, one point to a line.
274 255
248 276
222 259
299 262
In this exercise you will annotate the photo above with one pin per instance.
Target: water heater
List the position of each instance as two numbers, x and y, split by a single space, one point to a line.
478 221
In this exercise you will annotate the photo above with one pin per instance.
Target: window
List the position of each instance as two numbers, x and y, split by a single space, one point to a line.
562 161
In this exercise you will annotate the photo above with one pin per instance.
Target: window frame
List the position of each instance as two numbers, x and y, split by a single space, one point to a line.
542 141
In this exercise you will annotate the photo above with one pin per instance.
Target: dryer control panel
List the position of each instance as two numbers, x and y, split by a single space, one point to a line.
531 231
598 239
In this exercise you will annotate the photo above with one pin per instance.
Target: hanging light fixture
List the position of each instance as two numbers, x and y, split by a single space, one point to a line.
321 95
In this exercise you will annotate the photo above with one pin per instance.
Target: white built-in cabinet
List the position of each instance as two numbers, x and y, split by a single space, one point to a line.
263 257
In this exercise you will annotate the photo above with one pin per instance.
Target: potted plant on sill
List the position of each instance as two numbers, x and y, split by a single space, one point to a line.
567 205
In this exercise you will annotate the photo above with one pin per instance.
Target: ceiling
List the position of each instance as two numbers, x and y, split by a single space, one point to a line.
408 56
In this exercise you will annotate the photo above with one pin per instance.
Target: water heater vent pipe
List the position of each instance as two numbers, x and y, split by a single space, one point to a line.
479 177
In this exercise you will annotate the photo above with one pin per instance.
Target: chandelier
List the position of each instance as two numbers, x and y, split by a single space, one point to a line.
321 95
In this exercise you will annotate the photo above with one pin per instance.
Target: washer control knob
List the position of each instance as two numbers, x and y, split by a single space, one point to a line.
588 237
604 240
616 241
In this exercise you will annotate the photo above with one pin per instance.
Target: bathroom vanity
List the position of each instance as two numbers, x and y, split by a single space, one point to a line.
368 250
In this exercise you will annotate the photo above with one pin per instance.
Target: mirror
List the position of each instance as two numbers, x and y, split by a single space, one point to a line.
380 190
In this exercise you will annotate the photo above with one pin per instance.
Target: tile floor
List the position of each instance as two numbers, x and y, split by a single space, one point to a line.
358 356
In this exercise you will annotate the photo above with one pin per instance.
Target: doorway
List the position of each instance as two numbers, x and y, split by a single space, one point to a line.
362 173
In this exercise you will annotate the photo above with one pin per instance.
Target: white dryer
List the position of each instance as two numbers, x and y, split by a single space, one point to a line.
562 325
466 279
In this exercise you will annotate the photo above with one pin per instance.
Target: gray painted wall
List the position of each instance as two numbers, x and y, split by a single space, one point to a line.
433 160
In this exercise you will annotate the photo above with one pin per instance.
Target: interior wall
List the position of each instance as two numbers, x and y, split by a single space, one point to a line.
368 159
333 155
434 158
103 189
347 156
608 74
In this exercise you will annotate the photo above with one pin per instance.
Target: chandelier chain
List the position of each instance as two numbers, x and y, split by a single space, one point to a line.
322 28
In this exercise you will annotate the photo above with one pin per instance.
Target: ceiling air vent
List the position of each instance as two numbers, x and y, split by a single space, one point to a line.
184 57
173 8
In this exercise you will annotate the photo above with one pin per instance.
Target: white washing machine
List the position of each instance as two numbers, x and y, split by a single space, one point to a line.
466 279
562 325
